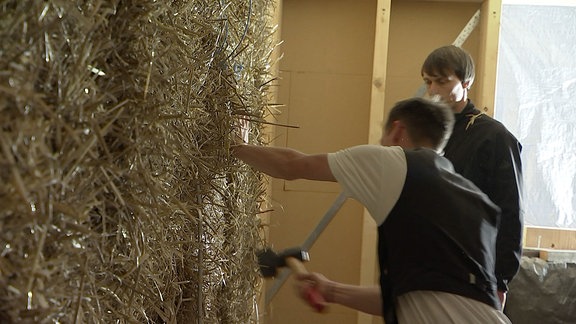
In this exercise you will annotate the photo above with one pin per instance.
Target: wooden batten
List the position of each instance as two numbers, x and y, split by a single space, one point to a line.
488 54
549 238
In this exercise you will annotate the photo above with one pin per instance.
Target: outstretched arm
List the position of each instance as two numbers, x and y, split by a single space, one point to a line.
367 299
285 163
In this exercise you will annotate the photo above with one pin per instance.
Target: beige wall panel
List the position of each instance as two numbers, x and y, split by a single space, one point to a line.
325 84
298 213
417 28
333 36
332 317
332 111
335 253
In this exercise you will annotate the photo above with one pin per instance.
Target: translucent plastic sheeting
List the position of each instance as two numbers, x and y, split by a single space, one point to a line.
542 292
536 86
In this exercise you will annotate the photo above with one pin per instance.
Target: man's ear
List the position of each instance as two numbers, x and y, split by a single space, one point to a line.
397 132
466 85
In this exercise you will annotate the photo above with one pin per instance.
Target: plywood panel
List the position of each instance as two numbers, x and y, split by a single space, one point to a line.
325 87
332 112
328 36
335 253
417 28
540 237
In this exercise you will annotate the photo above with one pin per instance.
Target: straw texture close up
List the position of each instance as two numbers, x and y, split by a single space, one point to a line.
119 199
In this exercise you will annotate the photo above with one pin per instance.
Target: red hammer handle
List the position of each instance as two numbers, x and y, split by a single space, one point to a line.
315 299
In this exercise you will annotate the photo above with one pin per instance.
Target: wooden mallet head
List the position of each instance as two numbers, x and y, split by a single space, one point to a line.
270 261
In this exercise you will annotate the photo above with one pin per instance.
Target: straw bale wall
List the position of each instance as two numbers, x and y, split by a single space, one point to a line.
119 199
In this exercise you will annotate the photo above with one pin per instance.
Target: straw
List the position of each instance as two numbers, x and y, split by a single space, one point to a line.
119 199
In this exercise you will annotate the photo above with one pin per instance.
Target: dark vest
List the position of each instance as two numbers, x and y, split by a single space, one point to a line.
440 235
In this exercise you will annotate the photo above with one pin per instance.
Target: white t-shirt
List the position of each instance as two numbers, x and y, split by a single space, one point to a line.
375 175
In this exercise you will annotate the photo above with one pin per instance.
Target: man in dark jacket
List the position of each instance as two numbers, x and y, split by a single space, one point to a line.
483 151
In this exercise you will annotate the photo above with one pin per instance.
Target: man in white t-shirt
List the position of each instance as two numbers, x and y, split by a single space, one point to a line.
437 231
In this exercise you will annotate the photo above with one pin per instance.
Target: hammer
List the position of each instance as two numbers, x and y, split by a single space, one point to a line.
270 261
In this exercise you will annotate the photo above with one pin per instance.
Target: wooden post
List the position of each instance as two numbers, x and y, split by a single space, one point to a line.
368 260
488 54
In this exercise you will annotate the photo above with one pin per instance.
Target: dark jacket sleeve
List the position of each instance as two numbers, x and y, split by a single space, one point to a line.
505 185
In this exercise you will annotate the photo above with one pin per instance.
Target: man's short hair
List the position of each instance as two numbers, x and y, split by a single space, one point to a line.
444 60
426 121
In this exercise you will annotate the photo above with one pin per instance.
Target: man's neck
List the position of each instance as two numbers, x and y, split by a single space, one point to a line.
459 106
